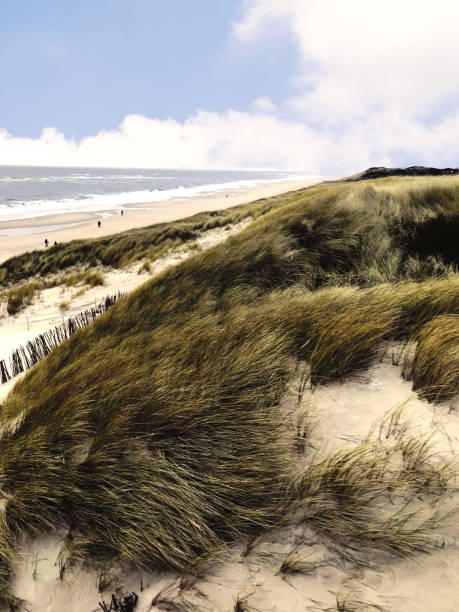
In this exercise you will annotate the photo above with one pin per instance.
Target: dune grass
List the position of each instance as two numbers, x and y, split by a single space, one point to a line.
123 249
145 267
18 297
21 294
155 435
365 498
352 603
435 369
89 277
298 562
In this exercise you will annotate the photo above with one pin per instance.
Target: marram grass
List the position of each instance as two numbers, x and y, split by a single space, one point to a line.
155 436
435 369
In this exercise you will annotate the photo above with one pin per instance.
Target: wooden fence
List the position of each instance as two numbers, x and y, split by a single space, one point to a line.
26 356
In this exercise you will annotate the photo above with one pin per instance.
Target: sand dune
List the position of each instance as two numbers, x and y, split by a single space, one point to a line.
380 533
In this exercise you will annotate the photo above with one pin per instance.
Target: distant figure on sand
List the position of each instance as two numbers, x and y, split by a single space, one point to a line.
122 212
99 224
46 242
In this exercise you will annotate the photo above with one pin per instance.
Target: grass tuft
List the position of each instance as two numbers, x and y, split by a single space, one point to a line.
297 562
363 498
21 296
435 368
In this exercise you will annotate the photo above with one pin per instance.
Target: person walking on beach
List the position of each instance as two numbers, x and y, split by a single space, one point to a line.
46 242
99 224
122 212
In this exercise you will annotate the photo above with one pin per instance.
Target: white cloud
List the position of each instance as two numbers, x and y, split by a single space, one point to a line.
379 76
206 140
242 140
391 55
264 105
377 85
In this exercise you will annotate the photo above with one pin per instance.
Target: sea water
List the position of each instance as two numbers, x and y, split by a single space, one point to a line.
35 191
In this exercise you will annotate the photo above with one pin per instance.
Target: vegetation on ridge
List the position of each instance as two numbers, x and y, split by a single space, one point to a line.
155 435
125 248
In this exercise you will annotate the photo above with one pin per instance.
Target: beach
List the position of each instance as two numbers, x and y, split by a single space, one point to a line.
18 236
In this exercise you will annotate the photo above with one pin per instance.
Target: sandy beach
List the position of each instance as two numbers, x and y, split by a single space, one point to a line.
28 234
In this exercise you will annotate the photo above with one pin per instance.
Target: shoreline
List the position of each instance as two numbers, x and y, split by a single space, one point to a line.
21 235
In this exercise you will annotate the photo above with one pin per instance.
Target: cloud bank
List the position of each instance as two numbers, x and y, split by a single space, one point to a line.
206 140
378 84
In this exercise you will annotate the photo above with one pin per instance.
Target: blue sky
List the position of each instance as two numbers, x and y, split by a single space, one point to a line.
319 86
83 66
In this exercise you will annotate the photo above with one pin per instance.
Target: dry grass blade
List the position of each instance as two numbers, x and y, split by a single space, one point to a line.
305 420
349 603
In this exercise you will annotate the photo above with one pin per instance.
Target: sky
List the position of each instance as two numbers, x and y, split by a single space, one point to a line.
318 86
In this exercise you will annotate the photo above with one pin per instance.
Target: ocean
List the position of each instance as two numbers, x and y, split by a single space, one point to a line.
35 191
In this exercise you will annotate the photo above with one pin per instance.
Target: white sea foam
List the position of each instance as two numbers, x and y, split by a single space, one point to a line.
114 201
